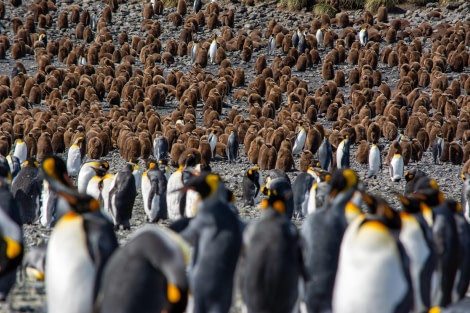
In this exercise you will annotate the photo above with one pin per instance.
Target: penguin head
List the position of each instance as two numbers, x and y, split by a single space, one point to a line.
409 175
31 161
343 181
428 190
410 204
100 168
207 185
274 201
380 210
55 172
78 141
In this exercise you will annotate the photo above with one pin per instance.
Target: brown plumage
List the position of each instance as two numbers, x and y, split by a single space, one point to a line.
148 11
44 146
182 8
394 148
406 151
175 153
456 153
416 150
382 14
57 141
246 54
260 64
328 71
306 160
362 154
285 160
301 64
63 21
267 157
94 148
313 140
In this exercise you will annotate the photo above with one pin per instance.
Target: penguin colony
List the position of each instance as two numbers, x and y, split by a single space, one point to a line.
60 122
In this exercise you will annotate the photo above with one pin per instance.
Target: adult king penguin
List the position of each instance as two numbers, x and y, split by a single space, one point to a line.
437 148
151 277
160 147
373 264
251 186
197 6
213 49
325 154
375 162
232 147
11 239
363 36
194 49
154 185
319 36
272 260
396 168
74 158
26 190
271 44
216 234
88 171
79 246
322 232
342 154
21 150
299 141
212 142
301 191
122 196
284 188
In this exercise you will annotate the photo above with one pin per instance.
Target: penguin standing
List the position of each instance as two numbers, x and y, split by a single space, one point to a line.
232 147
152 279
74 158
194 49
271 245
197 6
373 264
87 171
302 44
251 186
21 150
271 44
301 192
396 167
160 147
14 164
79 246
296 38
342 154
216 234
325 154
154 185
34 262
122 196
284 188
416 238
213 49
322 232
11 239
212 142
437 148
363 36
375 161
319 192
412 177
26 190
299 143
466 197
319 36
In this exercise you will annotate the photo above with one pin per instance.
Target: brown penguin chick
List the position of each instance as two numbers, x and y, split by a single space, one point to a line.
406 150
145 144
205 151
306 160
267 157
107 14
382 14
57 141
175 152
301 64
190 157
456 153
246 54
394 148
416 150
239 78
253 152
328 70
260 64
285 160
389 130
181 8
220 149
423 137
362 154
466 152
44 147
94 148
175 18
220 55
313 140
63 21
148 11
158 7
201 57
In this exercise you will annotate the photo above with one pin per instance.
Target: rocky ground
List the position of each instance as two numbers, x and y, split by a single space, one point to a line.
29 296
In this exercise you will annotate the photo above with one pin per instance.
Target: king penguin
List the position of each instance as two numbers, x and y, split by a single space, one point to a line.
152 280
194 49
122 196
87 171
11 239
216 234
465 198
396 168
437 148
26 189
272 260
213 49
14 164
301 192
284 188
197 6
296 38
319 36
271 44
319 192
251 186
212 142
21 150
74 158
232 147
154 184
79 246
363 36
416 238
373 264
412 177
299 141
322 232
342 154
302 43
160 147
375 162
325 154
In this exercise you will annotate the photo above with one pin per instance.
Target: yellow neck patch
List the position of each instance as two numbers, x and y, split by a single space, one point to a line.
173 293
212 180
351 178
13 248
279 206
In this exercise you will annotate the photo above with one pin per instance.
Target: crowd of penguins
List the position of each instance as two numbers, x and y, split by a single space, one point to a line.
353 253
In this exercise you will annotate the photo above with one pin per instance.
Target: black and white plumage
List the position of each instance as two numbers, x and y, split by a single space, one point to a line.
232 147
319 36
325 154
299 143
342 154
437 148
160 147
302 45
396 167
251 186
154 187
213 50
197 6
194 49
363 36
271 45
375 161
296 38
